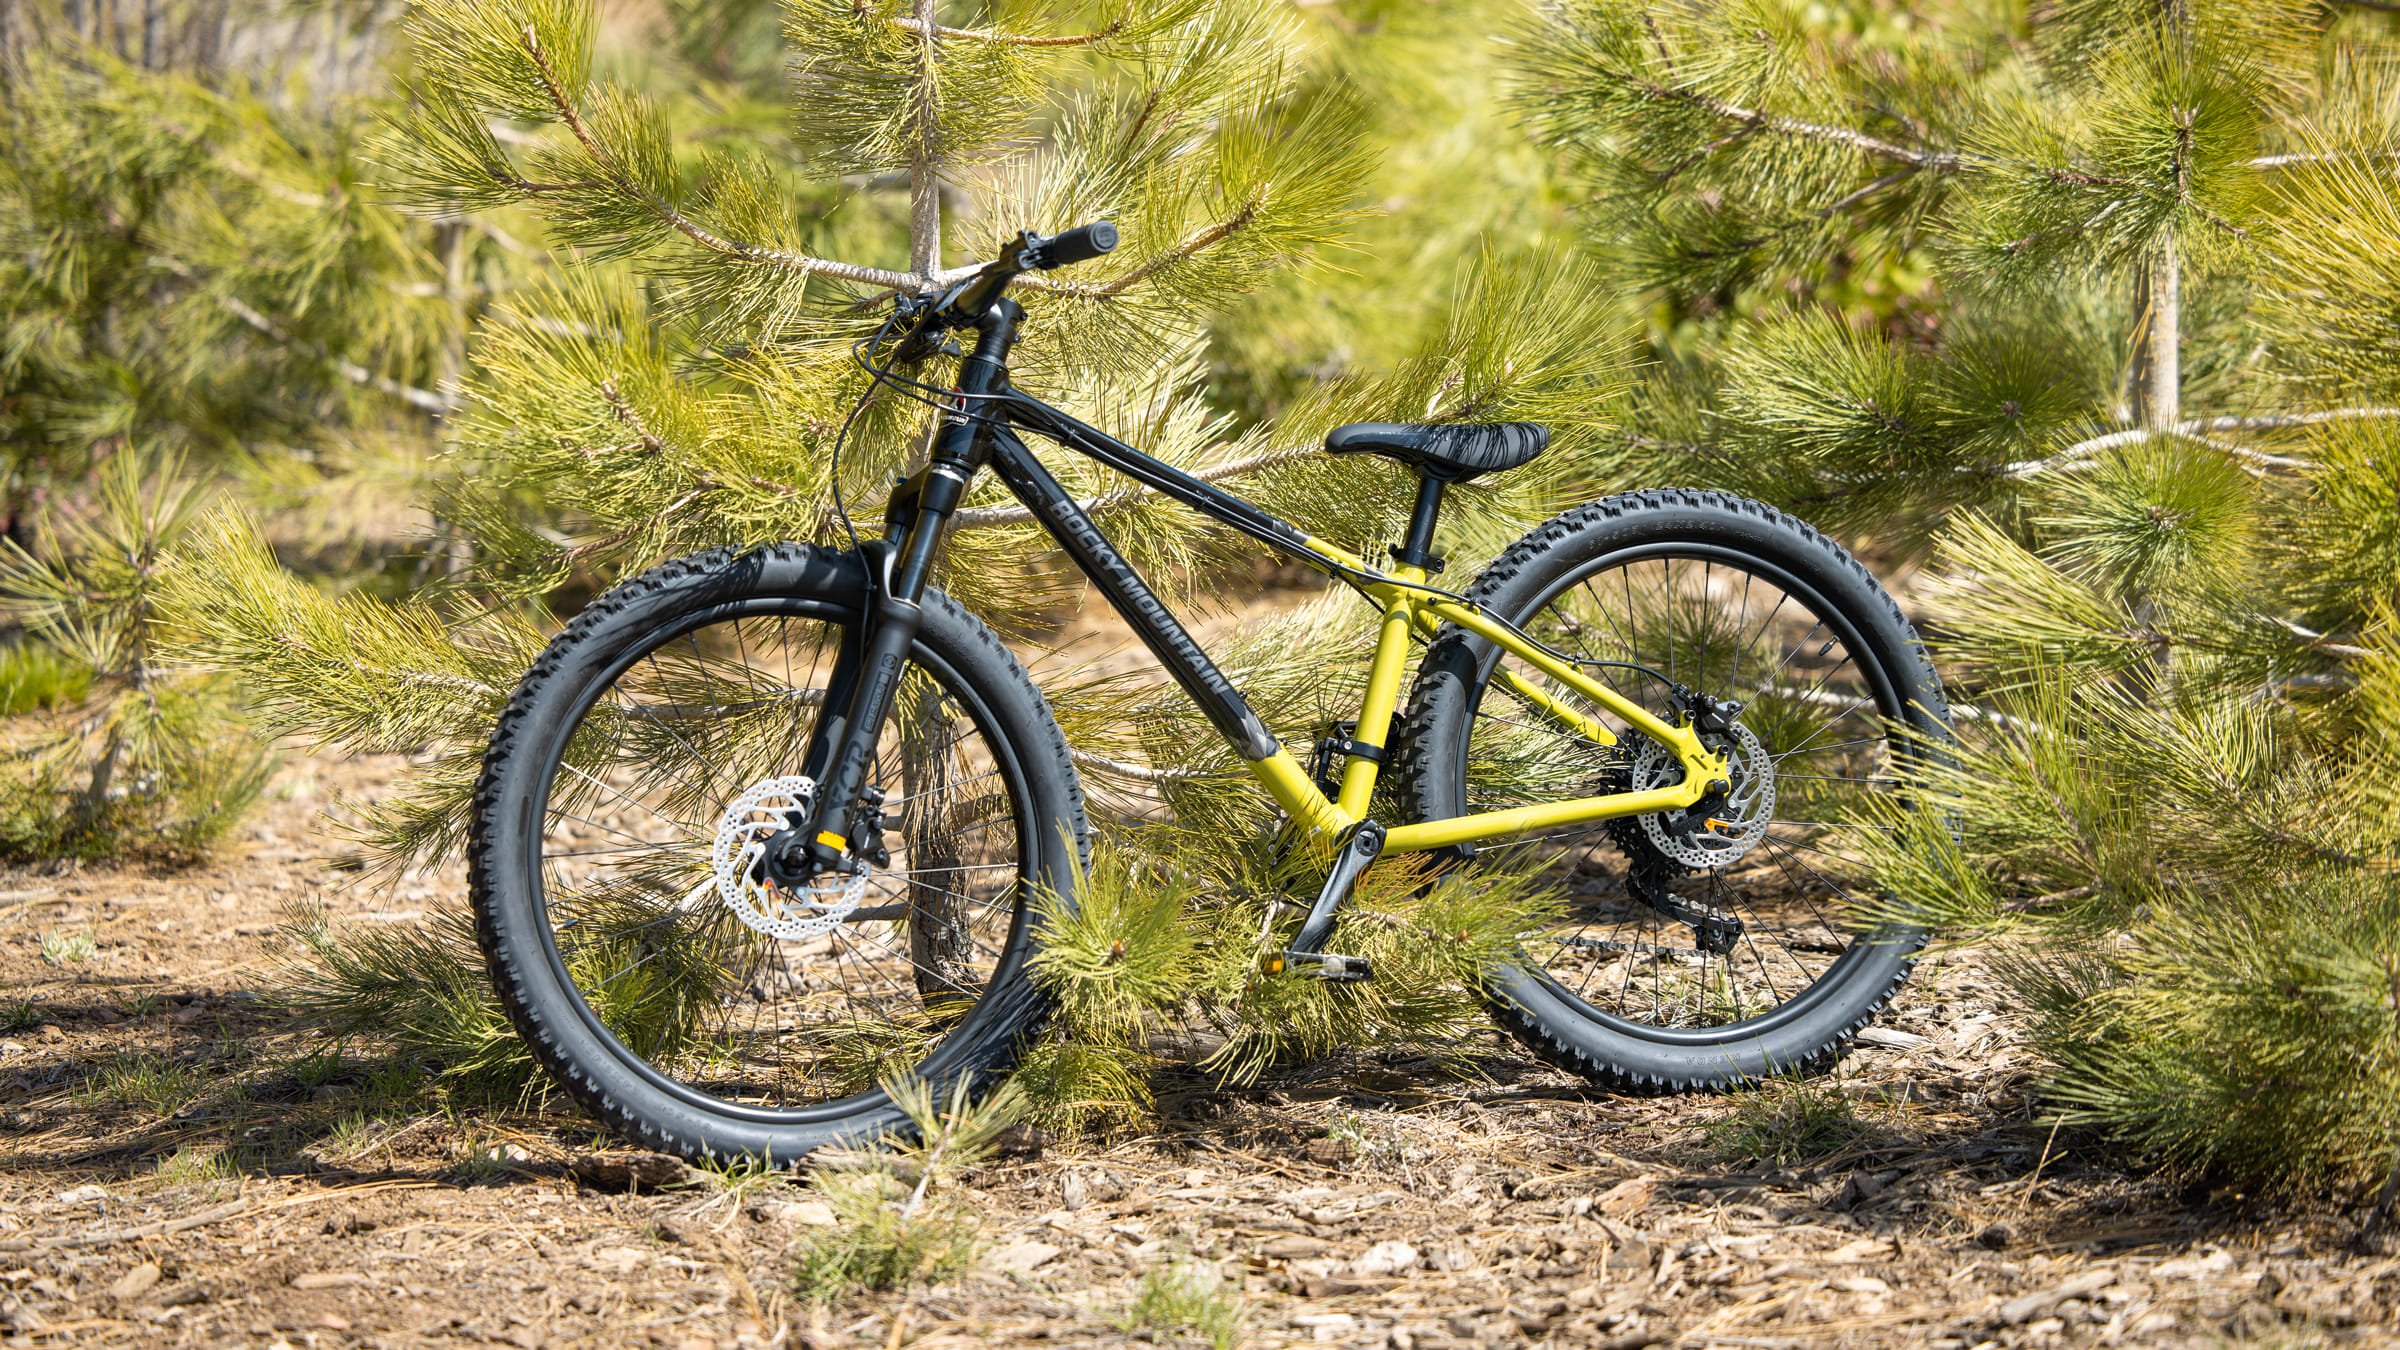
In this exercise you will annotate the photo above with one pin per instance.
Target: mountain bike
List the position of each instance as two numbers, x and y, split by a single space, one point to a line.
763 832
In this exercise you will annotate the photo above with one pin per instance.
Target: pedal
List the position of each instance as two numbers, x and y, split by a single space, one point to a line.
1331 967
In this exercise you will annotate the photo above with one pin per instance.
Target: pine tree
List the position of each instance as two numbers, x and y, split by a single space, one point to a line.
190 276
2116 330
190 265
684 387
118 750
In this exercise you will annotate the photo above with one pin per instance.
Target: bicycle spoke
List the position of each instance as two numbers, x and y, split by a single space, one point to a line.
1803 686
730 1011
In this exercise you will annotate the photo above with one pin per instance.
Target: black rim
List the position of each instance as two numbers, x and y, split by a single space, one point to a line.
1762 596
949 1010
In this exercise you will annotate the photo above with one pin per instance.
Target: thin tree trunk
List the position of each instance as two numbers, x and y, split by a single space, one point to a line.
940 940
2158 376
211 45
154 23
2159 366
450 244
924 173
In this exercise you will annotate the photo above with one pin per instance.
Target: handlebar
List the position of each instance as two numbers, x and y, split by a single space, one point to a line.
966 302
1081 244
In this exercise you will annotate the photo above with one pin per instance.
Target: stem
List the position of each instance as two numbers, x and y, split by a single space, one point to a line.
425 400
2082 450
1812 131
450 243
923 24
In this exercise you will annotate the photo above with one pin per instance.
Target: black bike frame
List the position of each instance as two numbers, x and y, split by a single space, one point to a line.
979 430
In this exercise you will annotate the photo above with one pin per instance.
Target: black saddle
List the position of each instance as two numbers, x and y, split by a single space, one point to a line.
1452 454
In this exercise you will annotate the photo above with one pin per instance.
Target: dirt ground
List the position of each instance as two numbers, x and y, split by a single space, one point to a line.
177 1171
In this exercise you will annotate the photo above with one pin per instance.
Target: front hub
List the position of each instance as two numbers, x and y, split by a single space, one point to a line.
808 909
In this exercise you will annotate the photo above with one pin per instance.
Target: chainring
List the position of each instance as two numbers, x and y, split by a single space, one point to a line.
764 810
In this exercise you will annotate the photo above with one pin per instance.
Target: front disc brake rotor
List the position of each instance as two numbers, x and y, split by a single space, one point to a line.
765 810
1734 826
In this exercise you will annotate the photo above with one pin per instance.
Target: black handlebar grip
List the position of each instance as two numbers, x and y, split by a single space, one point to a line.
1080 244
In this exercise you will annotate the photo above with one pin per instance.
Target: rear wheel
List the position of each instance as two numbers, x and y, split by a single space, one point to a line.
658 738
1733 943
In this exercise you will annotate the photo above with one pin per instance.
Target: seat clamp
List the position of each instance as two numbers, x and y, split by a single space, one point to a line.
1418 558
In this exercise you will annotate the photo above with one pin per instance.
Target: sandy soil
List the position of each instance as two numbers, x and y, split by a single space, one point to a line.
239 1195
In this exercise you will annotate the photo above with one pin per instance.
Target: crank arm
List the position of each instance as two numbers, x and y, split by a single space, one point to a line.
1307 954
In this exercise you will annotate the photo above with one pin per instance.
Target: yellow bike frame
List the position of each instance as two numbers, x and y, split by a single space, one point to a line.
1410 608
1407 609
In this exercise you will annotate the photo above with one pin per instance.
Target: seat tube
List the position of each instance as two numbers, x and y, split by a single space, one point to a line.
1384 676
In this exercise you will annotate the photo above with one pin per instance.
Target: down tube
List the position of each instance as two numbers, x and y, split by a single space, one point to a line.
1160 631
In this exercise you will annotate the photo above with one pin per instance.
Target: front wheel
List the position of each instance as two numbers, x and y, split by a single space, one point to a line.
661 735
1734 942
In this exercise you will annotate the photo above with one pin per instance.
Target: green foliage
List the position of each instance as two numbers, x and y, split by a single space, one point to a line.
1785 1122
1451 178
1123 951
37 677
2249 1033
683 382
189 265
158 1086
2115 281
200 1167
121 752
900 1214
420 992
1185 1298
347 671
1171 931
2041 167
67 949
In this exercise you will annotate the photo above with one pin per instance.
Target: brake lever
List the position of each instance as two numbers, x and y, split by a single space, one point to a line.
925 336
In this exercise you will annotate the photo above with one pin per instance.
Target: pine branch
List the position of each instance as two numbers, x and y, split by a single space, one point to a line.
920 25
2085 449
425 399
2296 158
1936 160
1140 772
571 115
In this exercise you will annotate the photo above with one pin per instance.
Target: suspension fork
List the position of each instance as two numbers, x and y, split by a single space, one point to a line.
866 674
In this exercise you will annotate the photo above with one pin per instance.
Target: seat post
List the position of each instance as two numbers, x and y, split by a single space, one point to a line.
1418 551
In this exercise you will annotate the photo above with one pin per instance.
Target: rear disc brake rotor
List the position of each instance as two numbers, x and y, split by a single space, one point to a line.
1734 826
